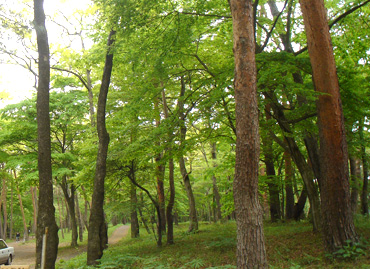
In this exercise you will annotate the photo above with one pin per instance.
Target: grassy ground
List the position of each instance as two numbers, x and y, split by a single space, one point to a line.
289 245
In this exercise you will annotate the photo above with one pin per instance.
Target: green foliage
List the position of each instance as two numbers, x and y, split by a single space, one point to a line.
350 251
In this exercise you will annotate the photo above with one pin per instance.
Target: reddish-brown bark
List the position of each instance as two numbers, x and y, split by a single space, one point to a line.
337 221
250 237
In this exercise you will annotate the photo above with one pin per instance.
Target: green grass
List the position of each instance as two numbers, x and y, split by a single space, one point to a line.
288 245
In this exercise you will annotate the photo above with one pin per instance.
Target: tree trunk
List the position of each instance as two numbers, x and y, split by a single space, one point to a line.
250 237
364 193
61 213
25 230
338 226
171 177
355 179
34 203
193 219
216 193
69 195
79 219
289 195
273 186
98 237
46 213
5 224
133 201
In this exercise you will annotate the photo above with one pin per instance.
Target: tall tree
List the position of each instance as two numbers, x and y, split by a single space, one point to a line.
98 237
251 251
46 224
338 226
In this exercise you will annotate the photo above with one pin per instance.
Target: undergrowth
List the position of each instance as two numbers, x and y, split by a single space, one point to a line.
288 245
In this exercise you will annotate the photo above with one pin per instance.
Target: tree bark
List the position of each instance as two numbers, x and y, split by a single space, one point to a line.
251 251
69 195
193 219
216 193
289 194
338 226
355 182
46 214
364 193
133 201
98 237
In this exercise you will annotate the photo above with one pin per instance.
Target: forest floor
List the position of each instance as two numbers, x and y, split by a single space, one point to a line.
25 252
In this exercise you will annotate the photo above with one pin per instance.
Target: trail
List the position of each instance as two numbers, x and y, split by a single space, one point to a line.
25 253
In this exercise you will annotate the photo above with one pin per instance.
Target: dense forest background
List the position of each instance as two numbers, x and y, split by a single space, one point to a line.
170 113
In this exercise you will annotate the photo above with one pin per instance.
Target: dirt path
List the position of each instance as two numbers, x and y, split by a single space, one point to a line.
25 253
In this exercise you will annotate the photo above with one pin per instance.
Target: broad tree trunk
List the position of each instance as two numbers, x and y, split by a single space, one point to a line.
46 214
250 237
98 237
338 226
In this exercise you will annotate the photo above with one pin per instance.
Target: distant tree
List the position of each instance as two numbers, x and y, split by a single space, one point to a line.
46 224
338 226
250 237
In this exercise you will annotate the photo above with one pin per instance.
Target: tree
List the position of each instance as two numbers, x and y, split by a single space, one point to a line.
46 224
338 226
250 237
98 237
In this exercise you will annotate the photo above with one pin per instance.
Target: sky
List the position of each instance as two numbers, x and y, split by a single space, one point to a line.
17 81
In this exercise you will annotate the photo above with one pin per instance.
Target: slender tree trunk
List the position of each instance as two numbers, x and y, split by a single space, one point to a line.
5 225
34 203
250 237
216 193
98 237
171 177
133 201
193 219
79 219
364 193
338 226
355 179
25 230
46 215
289 200
61 210
11 212
69 195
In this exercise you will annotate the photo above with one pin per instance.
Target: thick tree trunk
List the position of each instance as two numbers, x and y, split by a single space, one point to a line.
337 218
193 218
289 194
46 214
250 237
98 237
133 200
